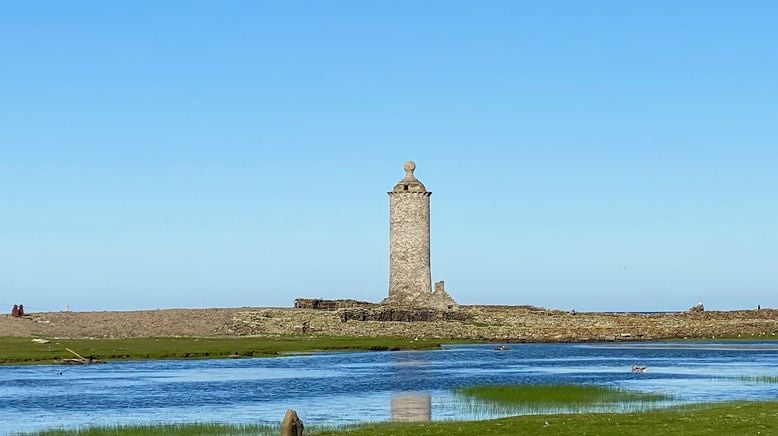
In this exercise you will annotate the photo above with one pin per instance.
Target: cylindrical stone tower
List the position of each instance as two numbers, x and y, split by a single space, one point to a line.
410 278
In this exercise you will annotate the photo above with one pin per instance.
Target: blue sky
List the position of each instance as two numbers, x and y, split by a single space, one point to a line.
582 155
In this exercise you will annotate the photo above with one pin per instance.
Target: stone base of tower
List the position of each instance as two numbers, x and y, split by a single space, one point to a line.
439 299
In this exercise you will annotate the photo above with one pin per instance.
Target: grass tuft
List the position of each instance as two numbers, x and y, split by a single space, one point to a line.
759 378
555 395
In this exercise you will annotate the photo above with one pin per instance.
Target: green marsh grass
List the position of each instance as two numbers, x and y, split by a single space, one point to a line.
169 429
721 419
705 420
555 395
759 378
23 351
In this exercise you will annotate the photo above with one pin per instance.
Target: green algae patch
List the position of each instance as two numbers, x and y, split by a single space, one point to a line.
555 395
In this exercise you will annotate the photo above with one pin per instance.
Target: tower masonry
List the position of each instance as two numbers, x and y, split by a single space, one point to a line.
410 277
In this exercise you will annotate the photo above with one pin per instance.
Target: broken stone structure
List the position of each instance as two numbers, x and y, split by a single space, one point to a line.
292 425
410 277
322 304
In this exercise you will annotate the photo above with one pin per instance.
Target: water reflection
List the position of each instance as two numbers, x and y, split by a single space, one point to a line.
411 407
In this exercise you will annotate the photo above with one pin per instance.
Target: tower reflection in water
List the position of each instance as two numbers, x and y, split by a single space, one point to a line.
408 404
411 407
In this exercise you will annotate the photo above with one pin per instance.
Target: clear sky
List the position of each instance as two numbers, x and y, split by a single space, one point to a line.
583 155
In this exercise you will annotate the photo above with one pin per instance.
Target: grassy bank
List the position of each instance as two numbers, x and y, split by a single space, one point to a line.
555 395
24 350
727 419
171 429
724 419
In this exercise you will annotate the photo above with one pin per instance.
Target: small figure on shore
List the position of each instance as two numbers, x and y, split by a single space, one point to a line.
21 310
15 311
758 307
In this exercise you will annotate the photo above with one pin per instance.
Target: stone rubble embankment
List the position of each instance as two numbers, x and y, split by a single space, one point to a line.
524 324
488 323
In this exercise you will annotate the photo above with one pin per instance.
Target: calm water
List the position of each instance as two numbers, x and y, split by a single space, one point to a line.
346 388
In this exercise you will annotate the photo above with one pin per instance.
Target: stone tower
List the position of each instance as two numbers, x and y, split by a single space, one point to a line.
410 277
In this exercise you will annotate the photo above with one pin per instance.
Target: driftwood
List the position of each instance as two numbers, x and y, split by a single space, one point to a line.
79 360
292 425
76 354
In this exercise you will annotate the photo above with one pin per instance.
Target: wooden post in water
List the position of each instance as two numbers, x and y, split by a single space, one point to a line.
292 425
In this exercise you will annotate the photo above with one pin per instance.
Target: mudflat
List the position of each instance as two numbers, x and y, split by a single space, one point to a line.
488 323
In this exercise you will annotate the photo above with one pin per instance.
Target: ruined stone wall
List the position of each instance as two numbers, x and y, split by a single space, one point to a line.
404 314
410 278
322 304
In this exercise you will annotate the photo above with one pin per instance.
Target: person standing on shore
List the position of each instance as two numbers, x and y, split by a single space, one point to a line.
21 310
15 311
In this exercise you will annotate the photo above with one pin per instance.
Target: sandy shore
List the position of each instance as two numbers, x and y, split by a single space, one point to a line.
470 322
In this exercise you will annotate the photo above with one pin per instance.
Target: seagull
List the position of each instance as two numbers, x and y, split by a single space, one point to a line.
638 369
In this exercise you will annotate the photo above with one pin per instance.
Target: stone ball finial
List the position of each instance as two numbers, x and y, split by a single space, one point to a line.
409 166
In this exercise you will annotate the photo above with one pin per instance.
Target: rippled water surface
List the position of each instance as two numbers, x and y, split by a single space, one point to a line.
342 388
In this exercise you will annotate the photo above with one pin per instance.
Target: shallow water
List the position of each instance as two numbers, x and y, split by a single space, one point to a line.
346 388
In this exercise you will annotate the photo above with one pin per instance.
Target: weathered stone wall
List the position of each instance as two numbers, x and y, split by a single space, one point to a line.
322 304
402 314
